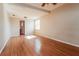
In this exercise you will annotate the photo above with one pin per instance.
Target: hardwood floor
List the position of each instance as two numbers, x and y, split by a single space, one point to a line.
38 46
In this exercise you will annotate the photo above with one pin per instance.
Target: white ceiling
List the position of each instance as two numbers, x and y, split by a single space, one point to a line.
49 7
31 10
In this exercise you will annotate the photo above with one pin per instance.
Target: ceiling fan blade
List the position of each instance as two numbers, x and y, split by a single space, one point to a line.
43 5
54 3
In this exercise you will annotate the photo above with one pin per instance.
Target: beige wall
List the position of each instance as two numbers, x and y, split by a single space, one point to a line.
1 26
62 24
4 27
14 26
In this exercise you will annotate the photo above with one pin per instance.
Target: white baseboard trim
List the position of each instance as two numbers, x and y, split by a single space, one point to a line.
59 40
4 46
66 42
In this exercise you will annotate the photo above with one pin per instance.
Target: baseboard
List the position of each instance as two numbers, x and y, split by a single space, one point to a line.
58 40
4 46
66 42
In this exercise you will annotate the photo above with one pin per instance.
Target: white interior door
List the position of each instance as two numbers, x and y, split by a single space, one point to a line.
29 27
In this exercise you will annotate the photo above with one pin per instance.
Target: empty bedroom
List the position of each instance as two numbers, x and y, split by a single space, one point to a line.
39 29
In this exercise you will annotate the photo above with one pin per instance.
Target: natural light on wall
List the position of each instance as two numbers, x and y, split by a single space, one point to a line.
37 24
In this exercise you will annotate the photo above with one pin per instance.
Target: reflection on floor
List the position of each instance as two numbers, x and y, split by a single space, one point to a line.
30 36
37 45
37 42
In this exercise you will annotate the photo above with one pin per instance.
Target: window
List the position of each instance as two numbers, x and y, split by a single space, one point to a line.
37 24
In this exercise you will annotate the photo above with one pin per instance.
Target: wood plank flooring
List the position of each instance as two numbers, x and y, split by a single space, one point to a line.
38 46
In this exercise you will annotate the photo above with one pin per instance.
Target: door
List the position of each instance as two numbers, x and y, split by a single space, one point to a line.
22 27
29 27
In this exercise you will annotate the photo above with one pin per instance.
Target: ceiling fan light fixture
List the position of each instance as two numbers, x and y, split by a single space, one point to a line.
43 4
54 3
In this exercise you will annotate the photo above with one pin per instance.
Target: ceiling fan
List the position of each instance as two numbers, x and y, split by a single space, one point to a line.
43 4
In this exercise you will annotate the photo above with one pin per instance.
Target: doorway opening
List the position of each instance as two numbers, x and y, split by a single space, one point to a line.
22 27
